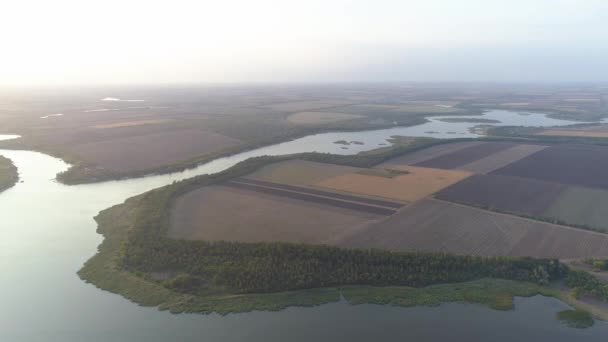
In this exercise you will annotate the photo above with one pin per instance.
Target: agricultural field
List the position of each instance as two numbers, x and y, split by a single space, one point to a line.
560 183
428 153
580 165
465 156
439 226
320 118
595 131
501 158
300 172
581 206
297 106
239 214
511 194
414 184
152 150
470 204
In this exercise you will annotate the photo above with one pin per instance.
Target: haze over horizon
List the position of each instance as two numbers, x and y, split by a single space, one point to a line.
132 42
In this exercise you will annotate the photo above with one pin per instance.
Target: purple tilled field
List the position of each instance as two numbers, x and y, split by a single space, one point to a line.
504 193
582 165
438 226
465 156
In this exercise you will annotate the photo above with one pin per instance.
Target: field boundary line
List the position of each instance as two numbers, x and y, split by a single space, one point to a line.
523 218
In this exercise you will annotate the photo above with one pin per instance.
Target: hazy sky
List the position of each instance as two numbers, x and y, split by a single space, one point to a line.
128 41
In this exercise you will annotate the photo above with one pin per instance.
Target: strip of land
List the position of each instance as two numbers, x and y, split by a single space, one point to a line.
8 174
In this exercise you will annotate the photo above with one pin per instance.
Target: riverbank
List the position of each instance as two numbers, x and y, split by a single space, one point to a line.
8 174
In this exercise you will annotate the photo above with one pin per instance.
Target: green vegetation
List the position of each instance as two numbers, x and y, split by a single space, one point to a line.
585 283
8 174
576 318
495 293
597 265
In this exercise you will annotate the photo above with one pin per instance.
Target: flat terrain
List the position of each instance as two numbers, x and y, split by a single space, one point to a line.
240 214
319 118
300 172
595 131
152 150
462 157
511 194
417 183
432 225
582 165
428 153
581 206
8 173
501 158
473 211
76 124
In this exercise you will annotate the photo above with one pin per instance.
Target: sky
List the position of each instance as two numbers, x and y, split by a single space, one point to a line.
175 41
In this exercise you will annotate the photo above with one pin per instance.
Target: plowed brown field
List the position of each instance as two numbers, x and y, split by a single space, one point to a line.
225 213
437 226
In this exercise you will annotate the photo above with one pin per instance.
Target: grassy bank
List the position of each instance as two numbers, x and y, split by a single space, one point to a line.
8 174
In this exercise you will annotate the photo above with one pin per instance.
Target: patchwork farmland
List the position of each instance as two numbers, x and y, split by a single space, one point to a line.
438 226
478 198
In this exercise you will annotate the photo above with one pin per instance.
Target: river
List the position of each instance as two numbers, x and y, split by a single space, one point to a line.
47 232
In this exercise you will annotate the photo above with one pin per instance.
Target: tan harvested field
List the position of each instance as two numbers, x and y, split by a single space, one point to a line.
437 226
299 106
300 172
419 182
130 123
224 213
502 158
152 150
319 118
594 132
428 153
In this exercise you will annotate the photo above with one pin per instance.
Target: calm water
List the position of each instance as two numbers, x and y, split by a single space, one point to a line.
47 231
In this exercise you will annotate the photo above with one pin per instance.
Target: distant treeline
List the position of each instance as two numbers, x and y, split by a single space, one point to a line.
201 266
